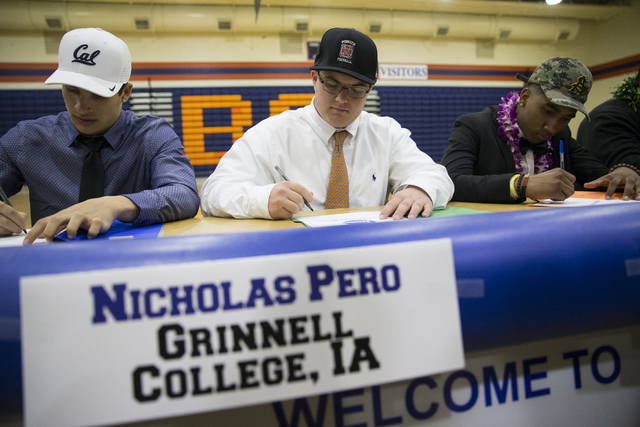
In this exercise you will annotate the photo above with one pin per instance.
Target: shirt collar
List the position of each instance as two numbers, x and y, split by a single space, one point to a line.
114 135
324 130
116 132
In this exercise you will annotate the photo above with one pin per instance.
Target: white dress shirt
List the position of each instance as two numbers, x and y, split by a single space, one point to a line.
527 162
380 155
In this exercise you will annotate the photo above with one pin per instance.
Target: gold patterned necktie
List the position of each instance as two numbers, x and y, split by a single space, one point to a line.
338 189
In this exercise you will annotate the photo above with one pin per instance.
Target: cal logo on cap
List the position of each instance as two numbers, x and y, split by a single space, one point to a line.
84 57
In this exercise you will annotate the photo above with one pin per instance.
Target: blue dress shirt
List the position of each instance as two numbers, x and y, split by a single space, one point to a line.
144 162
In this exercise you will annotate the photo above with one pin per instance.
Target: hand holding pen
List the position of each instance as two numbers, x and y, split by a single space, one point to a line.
287 198
287 179
12 215
556 184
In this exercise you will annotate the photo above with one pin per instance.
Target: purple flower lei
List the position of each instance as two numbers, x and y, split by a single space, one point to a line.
508 131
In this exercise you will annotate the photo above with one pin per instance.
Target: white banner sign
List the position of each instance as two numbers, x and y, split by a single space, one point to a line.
131 344
403 72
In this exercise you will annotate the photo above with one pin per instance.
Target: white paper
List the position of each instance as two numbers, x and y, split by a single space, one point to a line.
344 219
573 202
17 239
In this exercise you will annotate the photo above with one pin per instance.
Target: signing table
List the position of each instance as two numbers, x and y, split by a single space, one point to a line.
548 298
213 225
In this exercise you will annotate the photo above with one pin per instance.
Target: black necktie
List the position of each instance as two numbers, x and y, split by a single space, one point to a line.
92 179
538 149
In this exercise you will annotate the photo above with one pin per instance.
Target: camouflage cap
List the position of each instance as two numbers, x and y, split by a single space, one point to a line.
565 81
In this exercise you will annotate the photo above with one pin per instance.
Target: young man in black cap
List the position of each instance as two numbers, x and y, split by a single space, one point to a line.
334 154
512 151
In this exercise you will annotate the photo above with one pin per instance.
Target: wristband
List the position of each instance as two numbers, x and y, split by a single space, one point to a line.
512 186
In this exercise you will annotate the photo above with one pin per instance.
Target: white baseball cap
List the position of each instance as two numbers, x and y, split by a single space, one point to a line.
92 59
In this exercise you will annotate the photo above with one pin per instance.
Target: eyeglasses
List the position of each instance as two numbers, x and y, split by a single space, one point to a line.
357 92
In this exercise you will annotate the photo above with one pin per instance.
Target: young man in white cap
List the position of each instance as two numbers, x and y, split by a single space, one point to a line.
95 162
523 147
334 153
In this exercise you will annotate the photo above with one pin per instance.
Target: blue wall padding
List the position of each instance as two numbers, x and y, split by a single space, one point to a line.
429 112
547 273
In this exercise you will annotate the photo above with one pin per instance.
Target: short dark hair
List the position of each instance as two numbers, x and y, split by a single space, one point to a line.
534 88
122 88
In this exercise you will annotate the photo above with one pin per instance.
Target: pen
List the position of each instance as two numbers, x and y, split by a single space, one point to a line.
287 179
561 155
6 200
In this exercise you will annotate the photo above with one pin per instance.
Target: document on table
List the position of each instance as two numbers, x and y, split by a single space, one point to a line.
342 219
573 202
372 217
17 239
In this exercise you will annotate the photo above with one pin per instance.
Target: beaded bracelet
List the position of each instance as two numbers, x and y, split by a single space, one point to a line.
518 183
625 165
512 186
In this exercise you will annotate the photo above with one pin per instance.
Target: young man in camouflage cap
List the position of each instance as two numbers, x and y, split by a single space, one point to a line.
512 151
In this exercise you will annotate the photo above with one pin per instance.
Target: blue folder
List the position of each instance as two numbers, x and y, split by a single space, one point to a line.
118 230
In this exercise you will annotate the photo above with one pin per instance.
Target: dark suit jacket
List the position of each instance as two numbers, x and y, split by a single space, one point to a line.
481 164
613 134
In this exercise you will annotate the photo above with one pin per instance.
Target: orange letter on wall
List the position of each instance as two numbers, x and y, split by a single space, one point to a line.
193 129
288 100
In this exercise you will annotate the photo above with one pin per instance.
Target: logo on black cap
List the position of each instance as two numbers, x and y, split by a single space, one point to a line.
346 51
85 58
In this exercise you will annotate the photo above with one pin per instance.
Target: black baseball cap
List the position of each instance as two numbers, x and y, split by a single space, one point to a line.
348 51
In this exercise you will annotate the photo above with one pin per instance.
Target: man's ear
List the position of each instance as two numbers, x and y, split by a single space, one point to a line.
126 93
525 95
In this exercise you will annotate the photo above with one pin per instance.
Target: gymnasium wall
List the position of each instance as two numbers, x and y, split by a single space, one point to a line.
219 86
